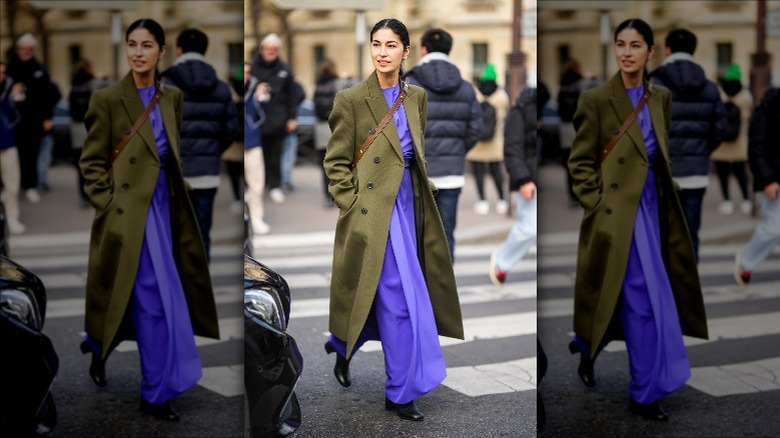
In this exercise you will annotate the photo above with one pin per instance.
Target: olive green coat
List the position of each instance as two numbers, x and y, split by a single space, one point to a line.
366 200
121 196
610 194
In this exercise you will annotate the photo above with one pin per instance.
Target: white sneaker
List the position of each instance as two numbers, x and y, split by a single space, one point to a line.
260 228
502 207
277 195
482 208
33 196
726 207
236 207
16 227
746 207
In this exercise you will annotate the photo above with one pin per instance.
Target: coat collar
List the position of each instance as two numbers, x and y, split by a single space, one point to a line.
379 107
134 107
623 108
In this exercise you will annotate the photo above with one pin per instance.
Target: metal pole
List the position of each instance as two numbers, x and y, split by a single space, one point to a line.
516 60
116 39
760 74
360 40
604 38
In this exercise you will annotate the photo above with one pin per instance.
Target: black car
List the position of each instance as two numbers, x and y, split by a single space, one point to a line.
29 364
272 361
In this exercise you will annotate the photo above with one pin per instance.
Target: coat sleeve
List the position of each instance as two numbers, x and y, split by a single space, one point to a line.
514 153
475 124
340 151
757 149
584 152
95 154
230 125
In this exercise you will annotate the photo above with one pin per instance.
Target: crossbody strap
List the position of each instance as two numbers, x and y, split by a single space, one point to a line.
367 143
624 127
136 126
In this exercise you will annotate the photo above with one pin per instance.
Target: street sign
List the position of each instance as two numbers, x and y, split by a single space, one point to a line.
326 5
84 5
773 23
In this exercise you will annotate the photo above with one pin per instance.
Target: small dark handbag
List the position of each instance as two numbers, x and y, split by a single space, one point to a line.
624 127
136 126
367 143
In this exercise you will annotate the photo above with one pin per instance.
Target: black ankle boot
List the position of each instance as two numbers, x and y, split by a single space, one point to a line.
341 369
162 411
651 411
407 411
585 369
97 368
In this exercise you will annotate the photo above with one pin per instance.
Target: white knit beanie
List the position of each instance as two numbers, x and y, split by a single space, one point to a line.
272 38
27 39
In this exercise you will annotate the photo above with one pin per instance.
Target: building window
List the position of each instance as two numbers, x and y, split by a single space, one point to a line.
479 55
563 56
724 51
236 61
74 52
319 55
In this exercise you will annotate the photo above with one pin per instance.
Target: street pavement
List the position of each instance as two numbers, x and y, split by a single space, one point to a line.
733 391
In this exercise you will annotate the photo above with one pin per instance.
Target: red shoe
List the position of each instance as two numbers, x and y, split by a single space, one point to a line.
741 276
497 276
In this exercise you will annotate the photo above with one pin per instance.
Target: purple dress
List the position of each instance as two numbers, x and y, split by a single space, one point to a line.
657 358
402 317
166 345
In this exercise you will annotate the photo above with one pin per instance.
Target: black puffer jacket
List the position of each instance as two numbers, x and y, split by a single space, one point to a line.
282 106
698 117
764 140
520 140
454 116
210 121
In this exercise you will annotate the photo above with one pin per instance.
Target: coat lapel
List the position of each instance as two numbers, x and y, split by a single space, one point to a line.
131 100
623 108
378 106
412 108
168 111
655 104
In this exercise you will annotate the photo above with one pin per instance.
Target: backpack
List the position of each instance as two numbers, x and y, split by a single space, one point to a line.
488 121
324 94
734 120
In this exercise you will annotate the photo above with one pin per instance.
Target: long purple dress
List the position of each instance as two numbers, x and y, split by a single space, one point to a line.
402 317
169 358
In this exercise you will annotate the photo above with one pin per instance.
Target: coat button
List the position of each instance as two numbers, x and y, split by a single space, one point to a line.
376 159
371 131
370 185
616 132
120 210
608 210
125 186
364 210
621 160
132 160
613 186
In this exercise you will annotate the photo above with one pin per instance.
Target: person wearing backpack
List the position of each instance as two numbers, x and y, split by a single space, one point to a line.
731 156
328 83
489 151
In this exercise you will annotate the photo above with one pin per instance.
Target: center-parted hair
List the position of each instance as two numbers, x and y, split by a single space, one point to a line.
152 26
643 29
398 28
437 40
192 40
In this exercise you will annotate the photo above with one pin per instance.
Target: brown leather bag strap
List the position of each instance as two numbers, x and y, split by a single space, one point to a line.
136 125
367 143
624 127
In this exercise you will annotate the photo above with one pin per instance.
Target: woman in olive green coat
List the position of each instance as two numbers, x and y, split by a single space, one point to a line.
148 277
392 274
636 272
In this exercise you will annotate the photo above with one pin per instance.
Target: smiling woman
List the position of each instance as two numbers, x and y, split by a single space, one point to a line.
148 277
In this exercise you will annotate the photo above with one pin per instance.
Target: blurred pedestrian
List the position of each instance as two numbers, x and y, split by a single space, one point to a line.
389 277
209 125
81 87
568 95
488 153
453 126
46 148
698 124
329 82
731 156
148 277
282 111
764 156
255 99
520 160
290 148
636 271
10 93
36 108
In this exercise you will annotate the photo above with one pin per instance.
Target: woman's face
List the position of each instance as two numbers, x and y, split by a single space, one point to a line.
631 51
387 51
142 50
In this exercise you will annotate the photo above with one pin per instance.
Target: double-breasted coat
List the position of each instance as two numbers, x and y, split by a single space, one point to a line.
365 199
121 194
610 195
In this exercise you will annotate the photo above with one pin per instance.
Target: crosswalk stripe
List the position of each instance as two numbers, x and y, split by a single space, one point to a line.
739 378
227 381
495 378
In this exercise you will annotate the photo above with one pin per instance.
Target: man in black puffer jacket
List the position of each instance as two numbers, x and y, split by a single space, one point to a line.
698 123
210 123
453 126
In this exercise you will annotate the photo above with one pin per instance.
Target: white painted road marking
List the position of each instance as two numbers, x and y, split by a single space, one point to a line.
738 378
495 378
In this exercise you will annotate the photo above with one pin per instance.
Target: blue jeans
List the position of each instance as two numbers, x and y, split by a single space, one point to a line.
203 204
44 159
521 236
289 154
691 200
766 236
447 203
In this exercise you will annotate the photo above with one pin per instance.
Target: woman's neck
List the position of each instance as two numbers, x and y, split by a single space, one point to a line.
387 80
632 80
143 80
